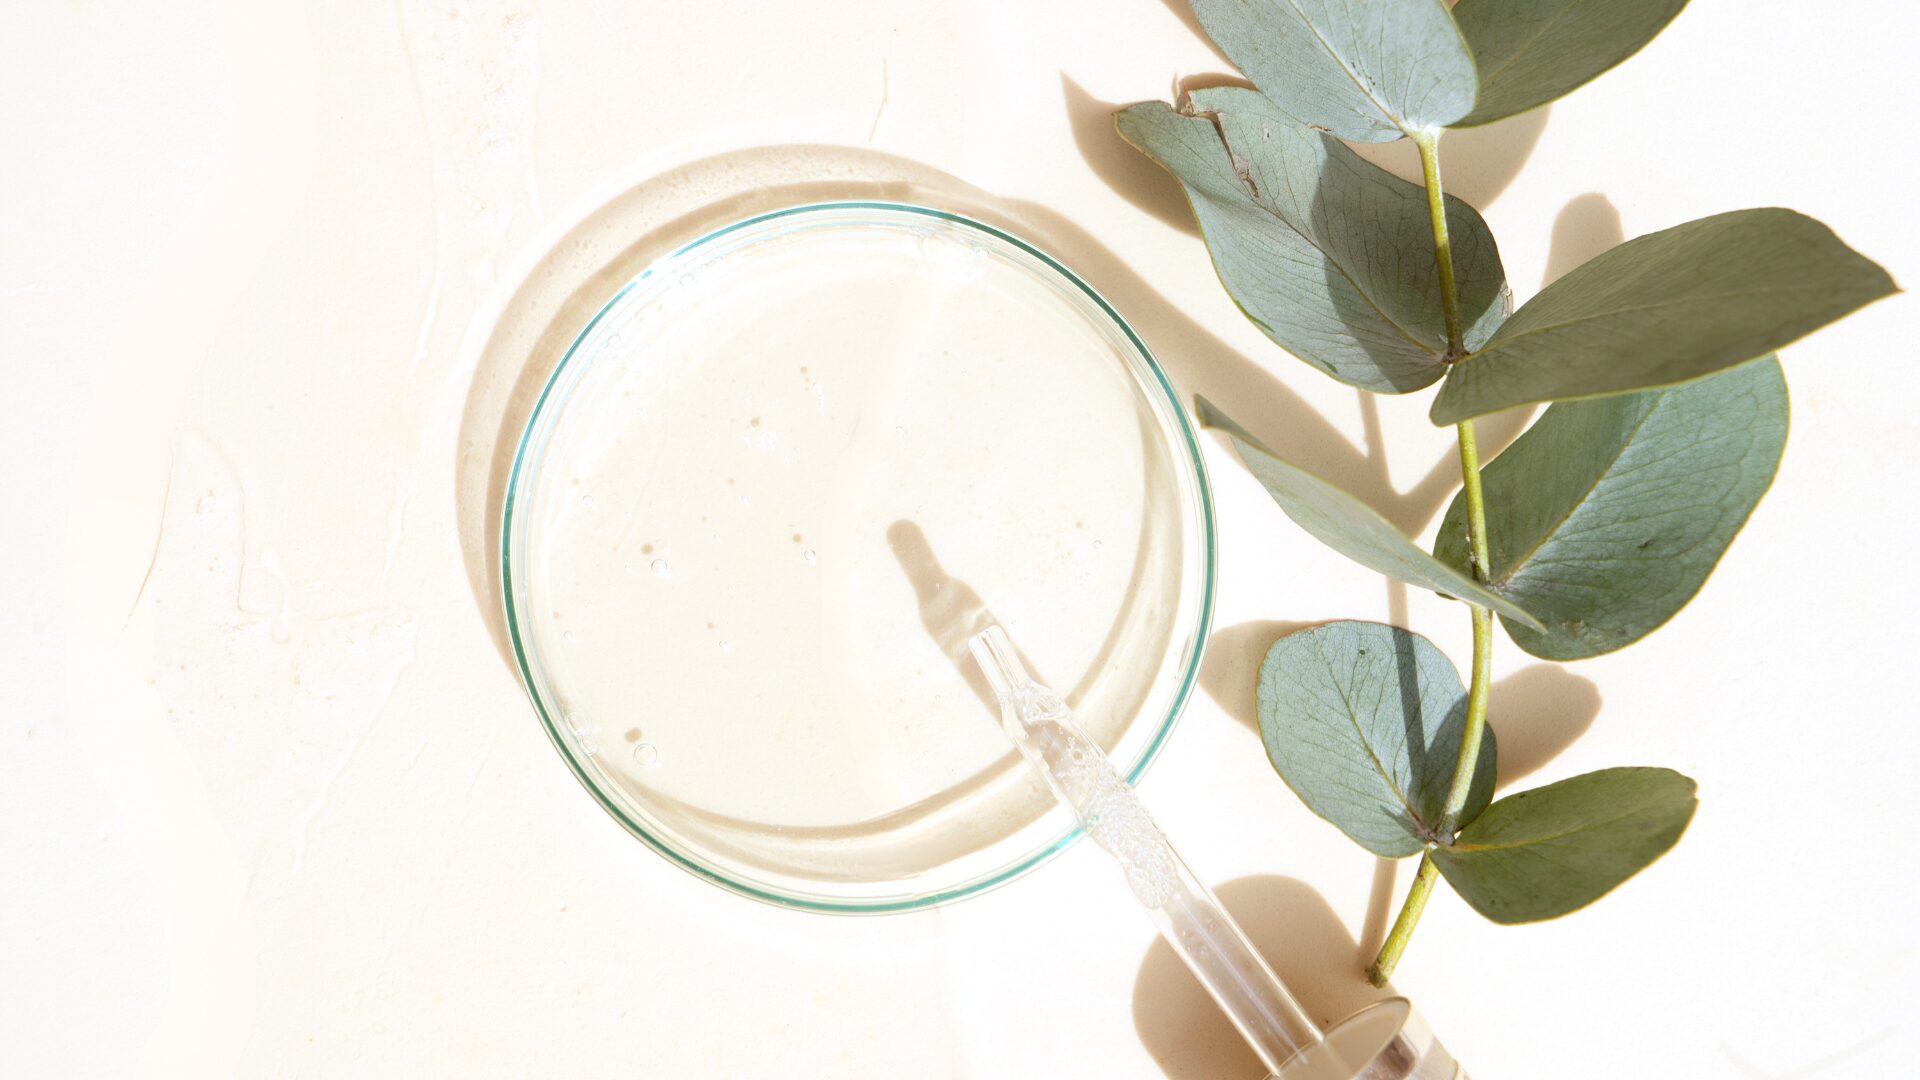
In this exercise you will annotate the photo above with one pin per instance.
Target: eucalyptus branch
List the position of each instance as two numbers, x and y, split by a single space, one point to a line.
1612 508
1476 520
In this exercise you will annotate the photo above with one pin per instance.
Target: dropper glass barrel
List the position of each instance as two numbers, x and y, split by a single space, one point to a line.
1186 912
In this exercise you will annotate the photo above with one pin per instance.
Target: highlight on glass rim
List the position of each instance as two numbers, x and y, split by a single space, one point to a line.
1179 539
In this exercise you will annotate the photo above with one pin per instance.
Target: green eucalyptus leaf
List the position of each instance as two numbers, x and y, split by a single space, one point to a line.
1363 721
1543 853
1530 52
1350 526
1606 517
1330 255
1665 308
1369 72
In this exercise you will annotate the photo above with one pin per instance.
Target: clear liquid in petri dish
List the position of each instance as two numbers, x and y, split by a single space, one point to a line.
837 443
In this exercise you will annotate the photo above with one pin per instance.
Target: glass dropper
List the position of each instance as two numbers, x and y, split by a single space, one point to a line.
1385 1041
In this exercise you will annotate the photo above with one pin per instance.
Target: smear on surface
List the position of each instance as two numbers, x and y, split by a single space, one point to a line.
476 77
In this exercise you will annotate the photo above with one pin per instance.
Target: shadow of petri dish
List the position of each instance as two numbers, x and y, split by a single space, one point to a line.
770 484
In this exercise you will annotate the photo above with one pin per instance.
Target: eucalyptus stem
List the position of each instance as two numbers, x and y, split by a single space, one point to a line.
1429 144
1477 546
1416 903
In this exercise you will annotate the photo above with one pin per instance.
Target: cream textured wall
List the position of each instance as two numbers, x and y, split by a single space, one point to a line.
272 805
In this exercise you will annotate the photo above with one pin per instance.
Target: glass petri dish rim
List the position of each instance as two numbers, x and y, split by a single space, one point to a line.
531 443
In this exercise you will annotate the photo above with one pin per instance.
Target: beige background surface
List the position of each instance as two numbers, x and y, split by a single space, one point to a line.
273 805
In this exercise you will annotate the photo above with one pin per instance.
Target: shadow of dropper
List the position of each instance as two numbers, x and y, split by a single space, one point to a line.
950 609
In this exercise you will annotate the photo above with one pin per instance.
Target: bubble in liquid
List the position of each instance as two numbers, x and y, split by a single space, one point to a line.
1114 818
660 567
646 755
1096 545
812 559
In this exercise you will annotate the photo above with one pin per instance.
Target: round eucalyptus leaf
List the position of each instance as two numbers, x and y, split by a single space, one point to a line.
1543 853
1329 254
1369 72
1606 516
1364 721
1530 52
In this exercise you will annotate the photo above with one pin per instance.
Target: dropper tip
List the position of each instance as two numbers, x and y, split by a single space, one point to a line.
994 652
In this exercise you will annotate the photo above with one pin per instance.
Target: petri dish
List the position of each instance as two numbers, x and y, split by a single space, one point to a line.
769 492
